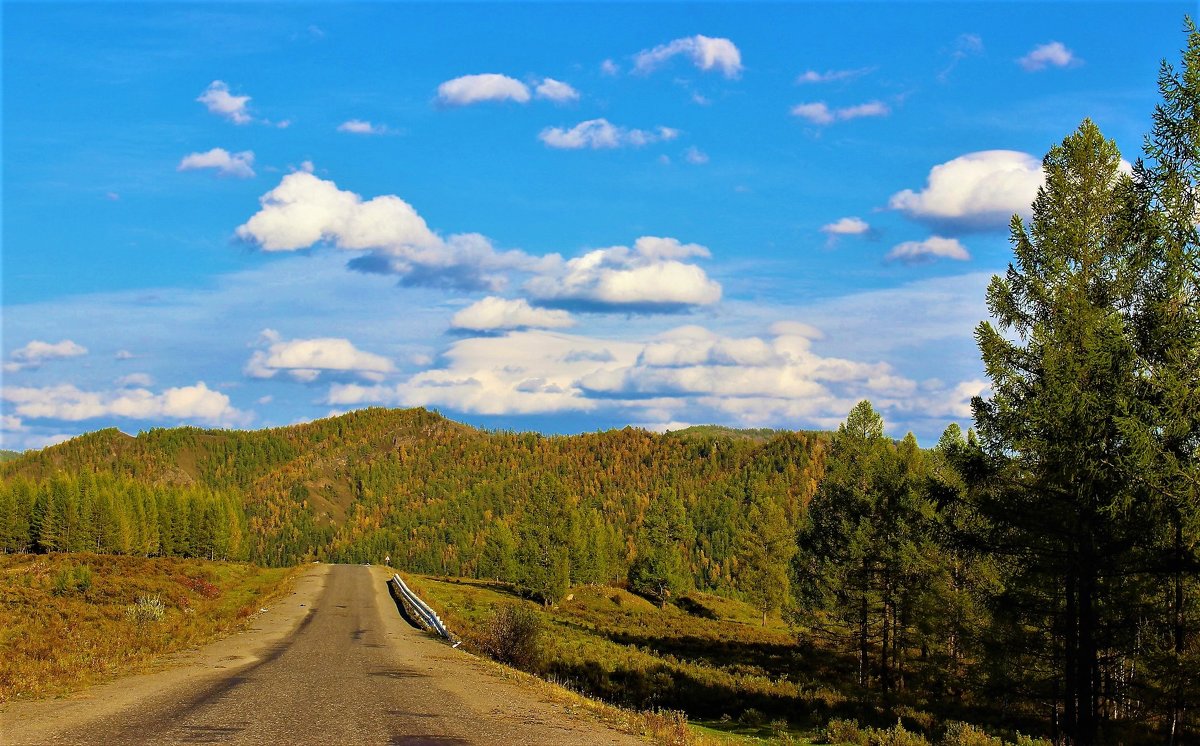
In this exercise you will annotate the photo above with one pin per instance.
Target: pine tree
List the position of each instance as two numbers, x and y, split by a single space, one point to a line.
659 570
1061 365
766 546
1164 424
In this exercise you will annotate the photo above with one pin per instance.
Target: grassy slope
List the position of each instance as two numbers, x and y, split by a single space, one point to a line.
714 663
55 643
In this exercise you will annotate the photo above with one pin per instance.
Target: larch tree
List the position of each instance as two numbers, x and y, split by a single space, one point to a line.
1163 423
1062 365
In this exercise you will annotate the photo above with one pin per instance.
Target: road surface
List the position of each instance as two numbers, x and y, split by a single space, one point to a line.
333 663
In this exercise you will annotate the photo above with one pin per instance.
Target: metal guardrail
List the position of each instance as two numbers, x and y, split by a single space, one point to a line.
428 616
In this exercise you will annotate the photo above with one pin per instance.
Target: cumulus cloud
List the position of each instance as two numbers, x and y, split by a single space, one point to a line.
556 90
608 67
851 226
820 113
305 210
934 247
831 76
361 127
492 314
695 156
37 352
239 165
306 359
474 89
221 102
599 134
66 402
686 374
1052 54
975 191
650 277
706 53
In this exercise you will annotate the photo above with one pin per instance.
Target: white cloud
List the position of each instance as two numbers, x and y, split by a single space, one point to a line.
221 102
934 247
305 210
136 379
37 352
11 424
239 165
598 134
977 190
706 53
695 156
608 67
492 313
830 76
305 359
687 374
473 89
556 90
1052 54
66 402
851 226
819 112
361 127
124 355
648 277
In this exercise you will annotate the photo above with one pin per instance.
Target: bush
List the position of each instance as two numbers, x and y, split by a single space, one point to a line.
965 734
751 717
72 579
845 732
512 635
147 609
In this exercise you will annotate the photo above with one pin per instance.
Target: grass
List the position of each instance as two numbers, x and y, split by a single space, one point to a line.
708 657
71 620
703 670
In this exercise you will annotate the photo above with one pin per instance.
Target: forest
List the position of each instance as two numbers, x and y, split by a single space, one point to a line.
1040 570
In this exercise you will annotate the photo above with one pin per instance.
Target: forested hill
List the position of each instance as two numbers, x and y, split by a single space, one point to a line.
442 497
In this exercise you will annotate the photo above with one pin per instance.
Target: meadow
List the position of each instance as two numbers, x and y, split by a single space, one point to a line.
71 620
708 658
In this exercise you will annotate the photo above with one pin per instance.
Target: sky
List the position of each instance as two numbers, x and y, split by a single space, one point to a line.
552 217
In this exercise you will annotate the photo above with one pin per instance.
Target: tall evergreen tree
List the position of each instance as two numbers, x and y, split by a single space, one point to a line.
1061 365
1164 423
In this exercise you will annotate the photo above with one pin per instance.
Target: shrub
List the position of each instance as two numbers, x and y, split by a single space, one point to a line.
751 717
897 736
846 732
147 609
965 734
71 579
512 635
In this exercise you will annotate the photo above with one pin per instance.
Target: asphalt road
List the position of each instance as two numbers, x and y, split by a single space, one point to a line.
333 664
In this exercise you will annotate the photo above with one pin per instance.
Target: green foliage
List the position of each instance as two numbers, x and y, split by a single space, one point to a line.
72 579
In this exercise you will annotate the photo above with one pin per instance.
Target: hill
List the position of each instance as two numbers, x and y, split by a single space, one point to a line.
441 497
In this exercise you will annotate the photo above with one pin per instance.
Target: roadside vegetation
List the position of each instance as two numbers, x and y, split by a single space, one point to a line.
71 620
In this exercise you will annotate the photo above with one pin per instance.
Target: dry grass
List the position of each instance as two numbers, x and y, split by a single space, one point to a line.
59 633
639 664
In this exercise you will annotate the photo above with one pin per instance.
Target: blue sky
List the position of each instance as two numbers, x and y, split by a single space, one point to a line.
551 217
